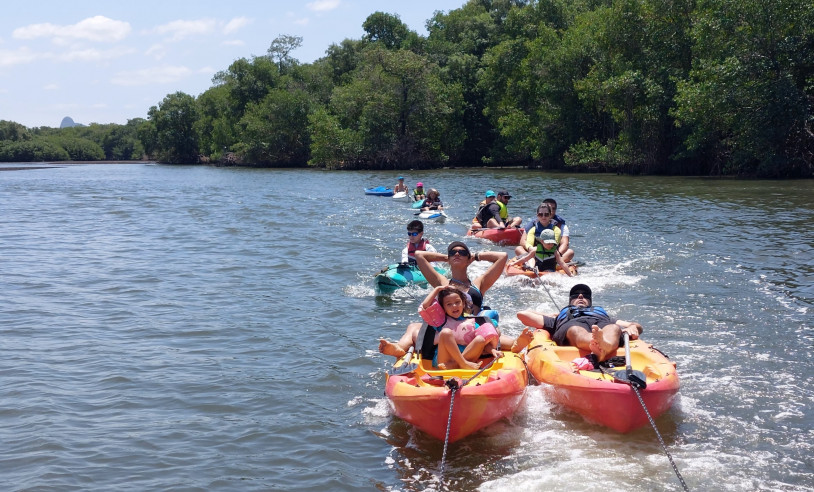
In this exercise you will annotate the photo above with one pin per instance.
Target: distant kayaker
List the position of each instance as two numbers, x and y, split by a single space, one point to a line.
564 247
433 201
459 258
582 325
400 186
502 201
415 242
544 246
418 192
488 214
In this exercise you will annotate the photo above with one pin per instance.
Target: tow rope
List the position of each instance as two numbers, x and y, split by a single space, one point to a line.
453 386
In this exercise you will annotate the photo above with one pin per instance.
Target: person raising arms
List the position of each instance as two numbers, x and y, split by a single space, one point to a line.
459 258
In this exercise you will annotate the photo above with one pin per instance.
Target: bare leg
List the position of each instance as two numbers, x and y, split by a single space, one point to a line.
522 341
390 348
448 354
604 341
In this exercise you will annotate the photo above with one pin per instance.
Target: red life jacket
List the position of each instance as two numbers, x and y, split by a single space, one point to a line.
413 247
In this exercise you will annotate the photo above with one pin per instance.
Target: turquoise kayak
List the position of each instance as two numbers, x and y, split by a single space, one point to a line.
400 275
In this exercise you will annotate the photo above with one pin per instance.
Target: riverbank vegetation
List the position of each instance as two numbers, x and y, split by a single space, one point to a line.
711 87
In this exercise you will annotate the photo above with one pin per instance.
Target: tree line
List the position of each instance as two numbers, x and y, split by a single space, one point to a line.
703 87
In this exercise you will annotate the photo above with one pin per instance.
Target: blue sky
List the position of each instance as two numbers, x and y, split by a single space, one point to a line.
103 61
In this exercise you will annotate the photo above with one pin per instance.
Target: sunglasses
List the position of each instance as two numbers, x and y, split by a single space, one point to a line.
583 294
413 233
543 215
459 252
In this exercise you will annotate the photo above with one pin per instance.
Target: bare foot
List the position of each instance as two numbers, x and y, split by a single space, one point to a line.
390 348
523 340
601 347
472 365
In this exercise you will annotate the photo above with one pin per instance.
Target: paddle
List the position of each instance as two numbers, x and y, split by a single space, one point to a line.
636 379
405 368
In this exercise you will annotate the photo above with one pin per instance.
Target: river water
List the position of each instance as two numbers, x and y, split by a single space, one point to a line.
197 328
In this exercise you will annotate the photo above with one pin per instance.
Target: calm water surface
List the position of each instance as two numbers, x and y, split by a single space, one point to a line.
193 328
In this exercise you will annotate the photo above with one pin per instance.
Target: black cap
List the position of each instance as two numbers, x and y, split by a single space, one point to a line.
504 193
457 244
580 289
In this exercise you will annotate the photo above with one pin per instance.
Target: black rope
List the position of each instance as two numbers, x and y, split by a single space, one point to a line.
663 446
452 384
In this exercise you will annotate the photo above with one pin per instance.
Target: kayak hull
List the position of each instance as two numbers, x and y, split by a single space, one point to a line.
436 215
380 191
596 396
503 237
400 275
402 196
494 394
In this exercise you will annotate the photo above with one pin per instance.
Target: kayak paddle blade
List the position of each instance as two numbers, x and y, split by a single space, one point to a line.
633 378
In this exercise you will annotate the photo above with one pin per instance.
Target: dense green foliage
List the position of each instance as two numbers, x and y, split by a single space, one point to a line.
632 86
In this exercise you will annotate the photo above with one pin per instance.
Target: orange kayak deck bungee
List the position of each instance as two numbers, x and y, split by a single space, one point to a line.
595 395
503 237
514 270
422 398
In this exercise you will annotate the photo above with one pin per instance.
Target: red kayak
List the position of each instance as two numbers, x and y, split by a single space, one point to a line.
598 395
504 237
422 398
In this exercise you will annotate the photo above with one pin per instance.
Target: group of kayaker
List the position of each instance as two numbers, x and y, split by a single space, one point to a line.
546 240
493 212
430 200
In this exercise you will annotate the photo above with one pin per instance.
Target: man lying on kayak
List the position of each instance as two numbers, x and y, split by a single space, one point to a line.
582 325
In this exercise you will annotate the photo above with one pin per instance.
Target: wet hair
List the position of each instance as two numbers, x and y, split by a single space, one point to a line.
544 207
454 291
433 191
552 202
415 225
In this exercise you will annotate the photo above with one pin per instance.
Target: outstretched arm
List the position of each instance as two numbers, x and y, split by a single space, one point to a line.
488 279
423 259
532 319
562 263
631 327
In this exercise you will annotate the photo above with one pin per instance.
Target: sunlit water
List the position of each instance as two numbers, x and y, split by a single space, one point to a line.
194 328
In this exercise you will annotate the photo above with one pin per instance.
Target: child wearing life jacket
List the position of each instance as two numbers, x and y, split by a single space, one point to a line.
415 242
459 340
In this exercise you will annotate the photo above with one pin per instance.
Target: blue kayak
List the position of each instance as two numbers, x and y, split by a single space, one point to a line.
417 204
380 191
401 275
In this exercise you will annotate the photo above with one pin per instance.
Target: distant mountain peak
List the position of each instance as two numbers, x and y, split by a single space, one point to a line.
67 122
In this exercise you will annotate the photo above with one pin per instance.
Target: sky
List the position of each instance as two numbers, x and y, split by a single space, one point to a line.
103 61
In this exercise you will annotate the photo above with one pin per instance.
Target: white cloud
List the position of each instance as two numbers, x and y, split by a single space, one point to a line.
20 56
93 55
180 29
157 51
163 74
50 87
236 24
233 42
98 28
322 5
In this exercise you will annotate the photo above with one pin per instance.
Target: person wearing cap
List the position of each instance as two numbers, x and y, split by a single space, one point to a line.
502 201
400 186
459 258
540 241
418 192
582 325
565 240
488 215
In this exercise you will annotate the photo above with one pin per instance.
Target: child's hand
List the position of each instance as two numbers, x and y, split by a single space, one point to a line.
497 354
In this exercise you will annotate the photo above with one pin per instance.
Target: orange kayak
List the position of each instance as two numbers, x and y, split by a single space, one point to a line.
517 270
503 237
422 398
594 394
